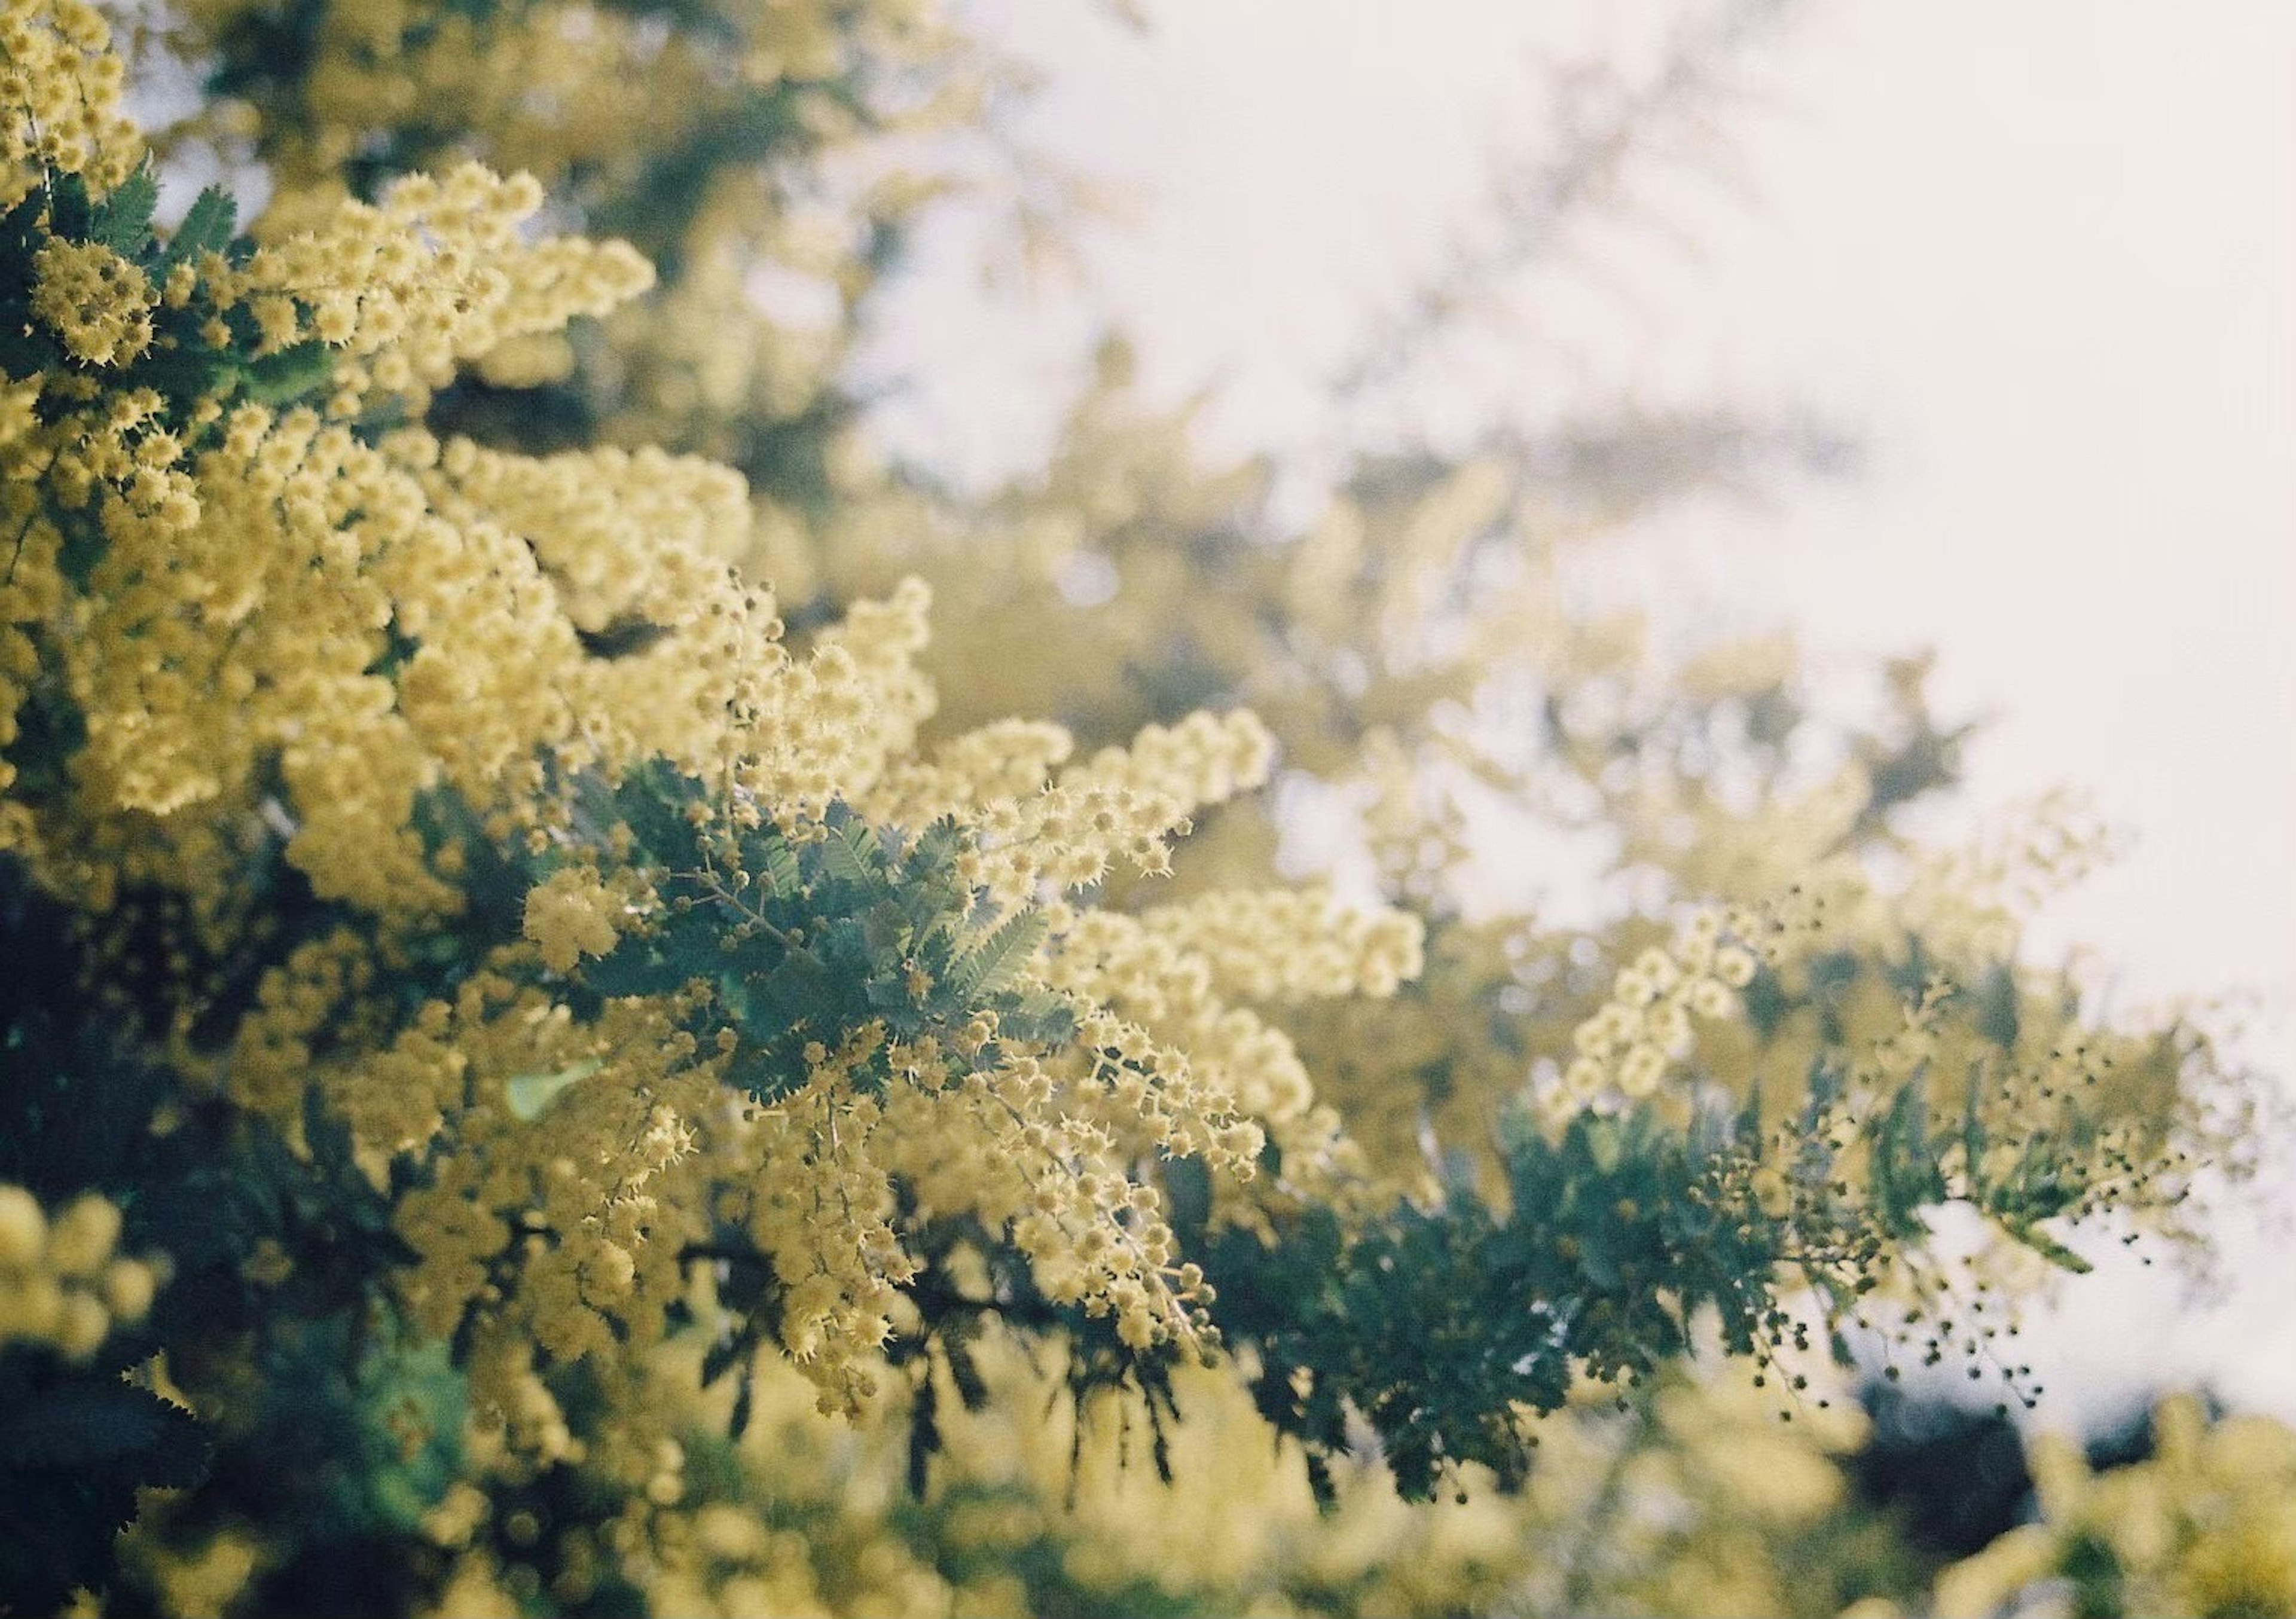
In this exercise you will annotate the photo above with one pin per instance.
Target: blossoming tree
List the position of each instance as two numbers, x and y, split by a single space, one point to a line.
603 996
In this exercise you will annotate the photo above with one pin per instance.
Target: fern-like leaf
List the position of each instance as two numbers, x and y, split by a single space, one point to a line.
993 964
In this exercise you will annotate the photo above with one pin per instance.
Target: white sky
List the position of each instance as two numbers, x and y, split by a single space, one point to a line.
2042 254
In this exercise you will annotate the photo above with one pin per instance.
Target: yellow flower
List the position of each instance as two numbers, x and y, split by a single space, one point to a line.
570 915
98 304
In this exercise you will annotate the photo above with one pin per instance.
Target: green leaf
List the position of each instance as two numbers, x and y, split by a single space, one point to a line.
745 1389
964 1372
2048 1248
1974 1137
1601 1141
72 1459
288 375
122 221
528 1094
991 965
21 234
95 1424
1906 1176
724 1356
885 929
850 854
207 227
780 866
70 212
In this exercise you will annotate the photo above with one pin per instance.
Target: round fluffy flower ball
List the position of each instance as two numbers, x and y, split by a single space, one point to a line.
98 304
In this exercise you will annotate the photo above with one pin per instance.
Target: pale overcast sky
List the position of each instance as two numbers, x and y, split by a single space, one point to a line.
2042 254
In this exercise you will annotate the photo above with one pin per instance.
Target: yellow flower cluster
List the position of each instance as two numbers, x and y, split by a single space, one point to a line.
1038 1146
560 84
300 1004
60 94
1650 1019
96 302
570 1188
1041 827
249 597
1287 944
525 1439
250 589
102 450
1748 855
586 98
438 274
1042 1160
30 589
1742 667
1153 978
61 1284
572 914
2206 1525
625 536
1005 760
383 618
824 1212
859 710
1975 892
1125 801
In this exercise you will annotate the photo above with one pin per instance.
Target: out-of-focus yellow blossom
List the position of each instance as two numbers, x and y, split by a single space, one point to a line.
570 915
2206 1526
61 1283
